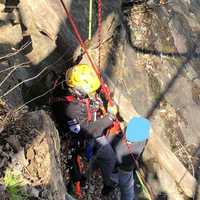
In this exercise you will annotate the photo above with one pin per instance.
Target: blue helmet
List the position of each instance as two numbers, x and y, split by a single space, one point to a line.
138 129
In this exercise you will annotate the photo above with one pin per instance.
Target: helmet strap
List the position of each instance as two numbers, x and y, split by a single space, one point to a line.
77 93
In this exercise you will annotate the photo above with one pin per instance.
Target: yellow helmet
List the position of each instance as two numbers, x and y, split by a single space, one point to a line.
83 78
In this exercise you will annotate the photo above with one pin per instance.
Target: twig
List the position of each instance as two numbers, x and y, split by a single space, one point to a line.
6 120
102 43
35 98
16 66
32 78
18 51
24 81
8 75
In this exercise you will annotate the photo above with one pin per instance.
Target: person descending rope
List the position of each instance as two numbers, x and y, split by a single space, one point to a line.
78 104
79 108
117 157
94 122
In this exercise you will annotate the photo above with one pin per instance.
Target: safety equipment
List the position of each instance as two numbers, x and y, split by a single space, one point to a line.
138 129
83 78
112 109
74 126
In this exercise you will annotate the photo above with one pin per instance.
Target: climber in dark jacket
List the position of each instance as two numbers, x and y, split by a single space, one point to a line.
78 108
116 157
80 112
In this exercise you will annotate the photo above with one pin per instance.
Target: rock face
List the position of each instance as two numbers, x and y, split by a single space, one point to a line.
34 150
150 52
155 65
49 17
43 154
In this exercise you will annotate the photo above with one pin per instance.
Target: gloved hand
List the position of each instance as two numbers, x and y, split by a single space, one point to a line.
112 109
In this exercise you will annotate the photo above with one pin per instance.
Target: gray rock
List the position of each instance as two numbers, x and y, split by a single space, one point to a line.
14 142
44 162
2 188
19 161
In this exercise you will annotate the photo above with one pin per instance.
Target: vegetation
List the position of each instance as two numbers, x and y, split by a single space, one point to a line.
13 181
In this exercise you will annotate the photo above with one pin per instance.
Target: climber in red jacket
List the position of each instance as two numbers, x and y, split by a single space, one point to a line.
80 108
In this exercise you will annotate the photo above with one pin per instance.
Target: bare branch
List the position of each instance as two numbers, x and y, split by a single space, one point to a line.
38 97
34 77
16 66
16 52
8 75
24 81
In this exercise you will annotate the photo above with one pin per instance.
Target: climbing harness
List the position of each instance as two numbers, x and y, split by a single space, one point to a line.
91 110
104 88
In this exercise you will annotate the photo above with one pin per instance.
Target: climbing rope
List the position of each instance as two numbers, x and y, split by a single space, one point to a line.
97 71
90 20
99 31
144 187
139 172
79 38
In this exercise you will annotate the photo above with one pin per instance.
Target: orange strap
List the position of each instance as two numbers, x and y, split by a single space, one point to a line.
78 189
78 184
89 114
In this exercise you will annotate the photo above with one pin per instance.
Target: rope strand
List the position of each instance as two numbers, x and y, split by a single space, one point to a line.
99 31
78 36
90 20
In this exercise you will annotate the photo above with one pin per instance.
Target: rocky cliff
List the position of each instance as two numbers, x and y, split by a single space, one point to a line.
149 52
30 158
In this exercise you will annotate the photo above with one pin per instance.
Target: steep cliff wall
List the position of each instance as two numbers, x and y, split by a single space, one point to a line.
151 55
155 65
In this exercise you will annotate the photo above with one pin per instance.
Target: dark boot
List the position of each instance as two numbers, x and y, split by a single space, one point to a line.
107 190
83 180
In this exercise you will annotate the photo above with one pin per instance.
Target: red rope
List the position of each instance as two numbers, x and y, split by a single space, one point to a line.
80 40
99 30
78 37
